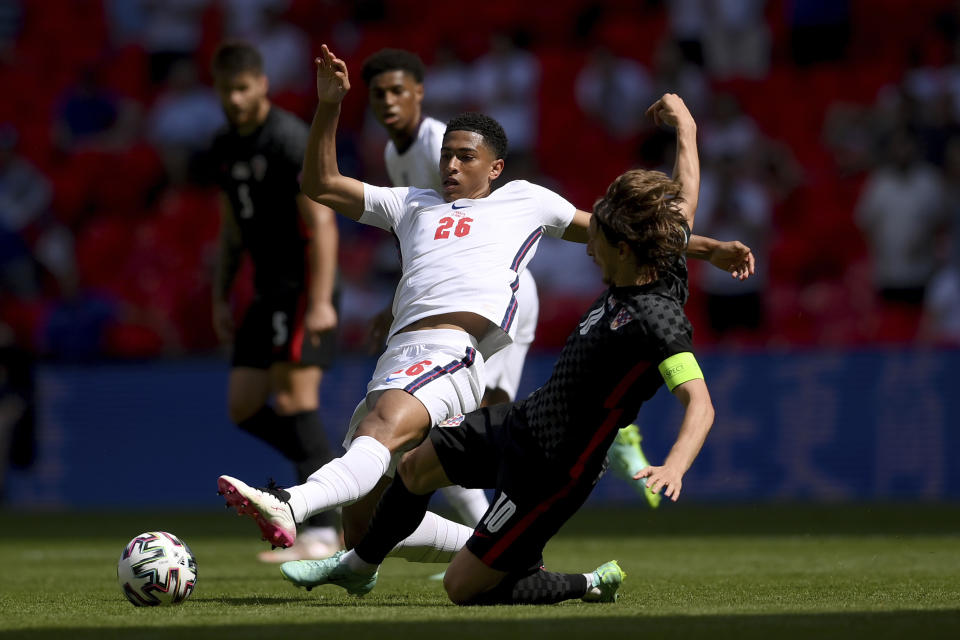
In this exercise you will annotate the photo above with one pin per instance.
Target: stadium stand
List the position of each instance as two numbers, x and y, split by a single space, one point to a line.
143 240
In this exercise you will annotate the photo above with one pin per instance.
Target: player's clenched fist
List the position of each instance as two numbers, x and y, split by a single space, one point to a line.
333 82
670 110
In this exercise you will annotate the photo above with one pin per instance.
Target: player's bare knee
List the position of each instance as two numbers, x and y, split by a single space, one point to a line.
379 431
395 437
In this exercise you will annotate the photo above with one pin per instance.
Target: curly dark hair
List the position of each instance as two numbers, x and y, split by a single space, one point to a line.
642 208
392 60
493 134
234 57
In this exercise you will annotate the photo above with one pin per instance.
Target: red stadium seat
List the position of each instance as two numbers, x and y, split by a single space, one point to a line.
133 340
100 248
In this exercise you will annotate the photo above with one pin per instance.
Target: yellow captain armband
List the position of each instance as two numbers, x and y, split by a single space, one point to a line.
679 368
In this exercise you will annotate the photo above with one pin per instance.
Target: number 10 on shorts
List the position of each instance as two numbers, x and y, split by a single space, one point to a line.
499 513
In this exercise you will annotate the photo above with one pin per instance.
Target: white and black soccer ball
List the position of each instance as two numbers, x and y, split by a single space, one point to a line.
157 568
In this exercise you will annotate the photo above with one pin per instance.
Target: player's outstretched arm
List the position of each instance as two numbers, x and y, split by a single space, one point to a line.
697 420
321 179
578 229
320 221
733 257
671 110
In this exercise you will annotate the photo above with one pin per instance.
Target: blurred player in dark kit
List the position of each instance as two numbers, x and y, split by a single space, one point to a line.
287 337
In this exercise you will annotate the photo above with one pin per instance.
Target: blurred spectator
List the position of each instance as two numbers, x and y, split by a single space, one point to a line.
777 171
939 125
729 131
78 323
952 198
614 92
922 81
948 78
941 305
183 120
506 84
87 322
848 135
18 273
90 115
672 73
947 22
11 23
244 19
285 47
445 85
126 20
737 44
29 235
900 211
17 405
173 30
819 30
25 193
286 52
687 24
895 110
734 207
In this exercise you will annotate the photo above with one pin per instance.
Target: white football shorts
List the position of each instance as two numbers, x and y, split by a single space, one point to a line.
442 368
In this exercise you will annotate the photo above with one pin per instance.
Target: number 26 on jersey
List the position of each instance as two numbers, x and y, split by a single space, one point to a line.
443 229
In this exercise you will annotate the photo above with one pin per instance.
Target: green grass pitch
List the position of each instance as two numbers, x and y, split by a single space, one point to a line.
694 571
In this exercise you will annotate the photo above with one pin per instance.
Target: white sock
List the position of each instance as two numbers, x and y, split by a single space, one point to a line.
326 535
341 481
592 592
435 540
358 564
470 504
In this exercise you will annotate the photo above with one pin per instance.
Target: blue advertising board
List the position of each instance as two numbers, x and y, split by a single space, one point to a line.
812 426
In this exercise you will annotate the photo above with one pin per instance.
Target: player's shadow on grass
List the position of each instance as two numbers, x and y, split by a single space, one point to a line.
249 601
543 622
330 599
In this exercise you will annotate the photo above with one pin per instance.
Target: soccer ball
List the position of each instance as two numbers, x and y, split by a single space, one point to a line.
156 568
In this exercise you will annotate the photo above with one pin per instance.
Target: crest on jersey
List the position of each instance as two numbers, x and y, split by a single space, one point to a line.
453 421
622 318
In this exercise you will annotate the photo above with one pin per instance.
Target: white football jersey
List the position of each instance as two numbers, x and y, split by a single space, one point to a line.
419 165
465 255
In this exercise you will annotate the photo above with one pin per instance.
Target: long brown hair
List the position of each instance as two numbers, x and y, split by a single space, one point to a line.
642 208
